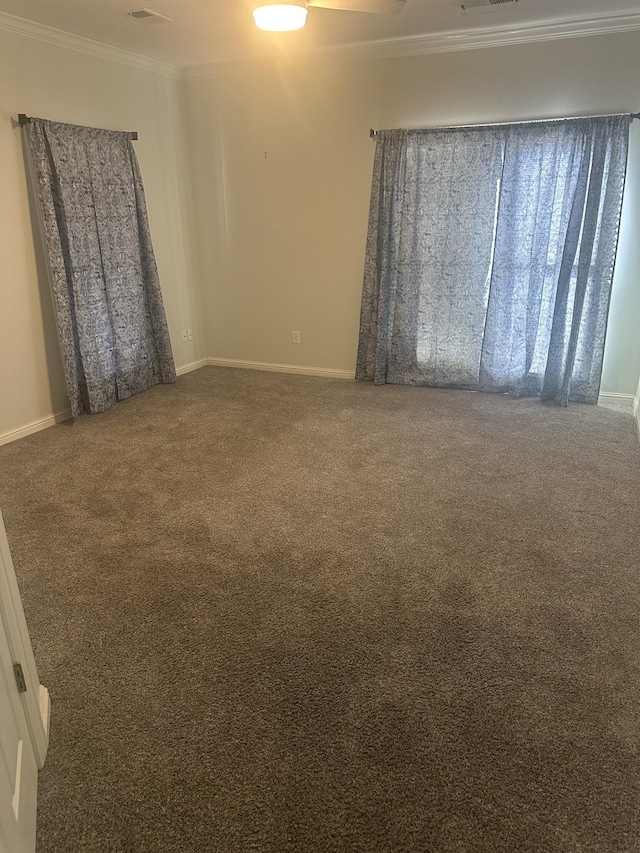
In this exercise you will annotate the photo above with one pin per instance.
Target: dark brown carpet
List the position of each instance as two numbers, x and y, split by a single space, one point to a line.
284 614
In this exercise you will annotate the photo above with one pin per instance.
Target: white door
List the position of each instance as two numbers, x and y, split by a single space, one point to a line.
35 698
18 768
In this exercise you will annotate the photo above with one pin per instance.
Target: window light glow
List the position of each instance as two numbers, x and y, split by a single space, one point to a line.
280 17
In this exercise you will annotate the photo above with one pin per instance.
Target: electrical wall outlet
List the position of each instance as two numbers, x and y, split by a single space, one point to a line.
184 335
189 335
295 337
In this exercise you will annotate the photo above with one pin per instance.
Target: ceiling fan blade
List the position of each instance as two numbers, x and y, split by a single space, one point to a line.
383 7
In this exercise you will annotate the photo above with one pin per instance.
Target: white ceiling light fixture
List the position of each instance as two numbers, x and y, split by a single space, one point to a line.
280 17
292 14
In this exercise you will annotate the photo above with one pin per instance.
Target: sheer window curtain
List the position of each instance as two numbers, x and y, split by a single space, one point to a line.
109 309
490 256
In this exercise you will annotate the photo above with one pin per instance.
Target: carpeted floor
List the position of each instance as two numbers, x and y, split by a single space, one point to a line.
282 614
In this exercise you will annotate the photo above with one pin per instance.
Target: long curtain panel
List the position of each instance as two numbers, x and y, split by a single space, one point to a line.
109 308
490 256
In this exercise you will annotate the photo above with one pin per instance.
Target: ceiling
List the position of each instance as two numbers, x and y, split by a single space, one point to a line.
208 31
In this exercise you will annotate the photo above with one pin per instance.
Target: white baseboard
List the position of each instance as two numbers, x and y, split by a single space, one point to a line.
327 372
34 426
192 365
623 400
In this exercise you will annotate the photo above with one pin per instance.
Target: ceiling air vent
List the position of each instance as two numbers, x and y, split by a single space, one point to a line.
148 16
485 5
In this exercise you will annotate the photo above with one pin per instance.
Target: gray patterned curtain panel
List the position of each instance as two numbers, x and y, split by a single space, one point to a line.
490 256
111 320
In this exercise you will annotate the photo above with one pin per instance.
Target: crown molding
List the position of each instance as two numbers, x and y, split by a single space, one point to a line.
14 24
366 52
436 43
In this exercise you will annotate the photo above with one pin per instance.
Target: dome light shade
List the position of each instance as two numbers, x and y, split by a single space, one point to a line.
281 17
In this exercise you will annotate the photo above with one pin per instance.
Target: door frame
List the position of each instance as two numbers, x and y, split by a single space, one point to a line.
35 699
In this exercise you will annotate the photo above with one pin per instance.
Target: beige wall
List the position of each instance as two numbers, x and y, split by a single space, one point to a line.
284 166
283 159
44 80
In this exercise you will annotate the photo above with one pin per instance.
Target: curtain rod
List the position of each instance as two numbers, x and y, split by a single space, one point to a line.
373 133
24 119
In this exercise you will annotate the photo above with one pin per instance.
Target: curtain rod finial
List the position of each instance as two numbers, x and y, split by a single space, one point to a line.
373 133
